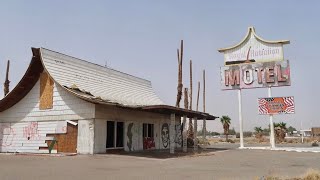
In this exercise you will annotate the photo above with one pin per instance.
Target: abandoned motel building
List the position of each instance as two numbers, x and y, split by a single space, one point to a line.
64 104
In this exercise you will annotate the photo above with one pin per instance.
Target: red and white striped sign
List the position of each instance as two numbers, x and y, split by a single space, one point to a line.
276 105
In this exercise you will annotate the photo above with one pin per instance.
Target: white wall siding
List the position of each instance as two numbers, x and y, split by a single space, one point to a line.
29 136
85 137
65 107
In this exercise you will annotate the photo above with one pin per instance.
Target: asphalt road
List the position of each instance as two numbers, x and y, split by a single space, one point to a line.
229 164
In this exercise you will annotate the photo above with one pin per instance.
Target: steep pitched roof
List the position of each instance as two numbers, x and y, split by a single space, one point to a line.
93 81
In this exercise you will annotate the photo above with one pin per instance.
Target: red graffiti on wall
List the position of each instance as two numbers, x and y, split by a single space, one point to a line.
7 135
148 143
31 131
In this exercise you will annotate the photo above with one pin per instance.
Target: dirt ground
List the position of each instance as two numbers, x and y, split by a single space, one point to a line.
220 164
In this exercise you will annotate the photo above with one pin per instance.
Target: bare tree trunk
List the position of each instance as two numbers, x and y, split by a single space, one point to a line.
190 95
190 129
204 91
197 107
184 134
204 105
180 85
7 82
186 103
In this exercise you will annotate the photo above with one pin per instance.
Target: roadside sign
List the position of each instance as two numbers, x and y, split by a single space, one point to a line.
276 105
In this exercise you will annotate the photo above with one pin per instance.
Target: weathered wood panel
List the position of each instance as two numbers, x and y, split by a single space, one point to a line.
46 91
66 143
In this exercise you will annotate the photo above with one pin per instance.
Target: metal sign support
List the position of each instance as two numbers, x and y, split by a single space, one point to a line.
272 141
240 118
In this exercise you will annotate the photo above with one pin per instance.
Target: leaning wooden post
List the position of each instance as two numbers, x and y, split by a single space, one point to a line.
204 130
180 85
7 82
184 134
172 132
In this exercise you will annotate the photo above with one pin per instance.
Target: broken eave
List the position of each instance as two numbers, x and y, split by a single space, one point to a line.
166 109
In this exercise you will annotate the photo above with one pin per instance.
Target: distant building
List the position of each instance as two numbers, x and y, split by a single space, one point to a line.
305 132
64 104
315 131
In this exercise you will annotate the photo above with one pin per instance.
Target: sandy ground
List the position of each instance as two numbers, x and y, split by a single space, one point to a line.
227 164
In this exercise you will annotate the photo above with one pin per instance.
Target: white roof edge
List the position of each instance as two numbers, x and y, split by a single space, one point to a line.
85 61
252 30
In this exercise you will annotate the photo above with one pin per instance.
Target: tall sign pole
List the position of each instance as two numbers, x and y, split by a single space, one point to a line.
240 118
272 141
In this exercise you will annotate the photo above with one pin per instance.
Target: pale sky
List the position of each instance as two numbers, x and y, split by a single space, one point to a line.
141 37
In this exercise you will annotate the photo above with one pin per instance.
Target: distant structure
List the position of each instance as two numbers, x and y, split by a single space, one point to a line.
315 131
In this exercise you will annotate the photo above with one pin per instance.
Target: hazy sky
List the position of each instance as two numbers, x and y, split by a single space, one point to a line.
141 38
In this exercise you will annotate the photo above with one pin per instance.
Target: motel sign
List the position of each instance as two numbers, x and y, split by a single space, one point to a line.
255 75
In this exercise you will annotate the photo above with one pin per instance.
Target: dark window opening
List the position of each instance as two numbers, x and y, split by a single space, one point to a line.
110 134
148 130
119 134
114 134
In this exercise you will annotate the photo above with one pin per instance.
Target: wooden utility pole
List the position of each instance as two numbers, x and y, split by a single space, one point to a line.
190 94
186 102
195 140
204 91
7 82
190 128
204 130
180 85
184 133
197 107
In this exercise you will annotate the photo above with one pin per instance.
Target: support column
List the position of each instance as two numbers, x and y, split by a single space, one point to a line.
195 146
184 134
172 132
240 118
272 141
204 130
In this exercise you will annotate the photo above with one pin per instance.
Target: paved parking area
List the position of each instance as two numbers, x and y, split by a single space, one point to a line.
229 164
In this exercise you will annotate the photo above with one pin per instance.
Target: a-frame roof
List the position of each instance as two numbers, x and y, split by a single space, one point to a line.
93 83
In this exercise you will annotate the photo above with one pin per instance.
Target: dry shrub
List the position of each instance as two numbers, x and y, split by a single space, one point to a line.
311 139
315 143
263 139
310 175
202 141
258 135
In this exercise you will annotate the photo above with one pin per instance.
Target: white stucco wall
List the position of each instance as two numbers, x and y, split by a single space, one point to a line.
133 140
85 136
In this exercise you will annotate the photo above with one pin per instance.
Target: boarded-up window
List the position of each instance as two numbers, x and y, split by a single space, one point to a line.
46 91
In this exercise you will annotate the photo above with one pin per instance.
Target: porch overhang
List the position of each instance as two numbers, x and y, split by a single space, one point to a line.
166 109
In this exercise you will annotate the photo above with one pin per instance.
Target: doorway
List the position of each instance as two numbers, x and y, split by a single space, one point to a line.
114 134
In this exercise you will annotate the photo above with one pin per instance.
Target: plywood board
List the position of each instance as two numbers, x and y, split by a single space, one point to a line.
46 91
